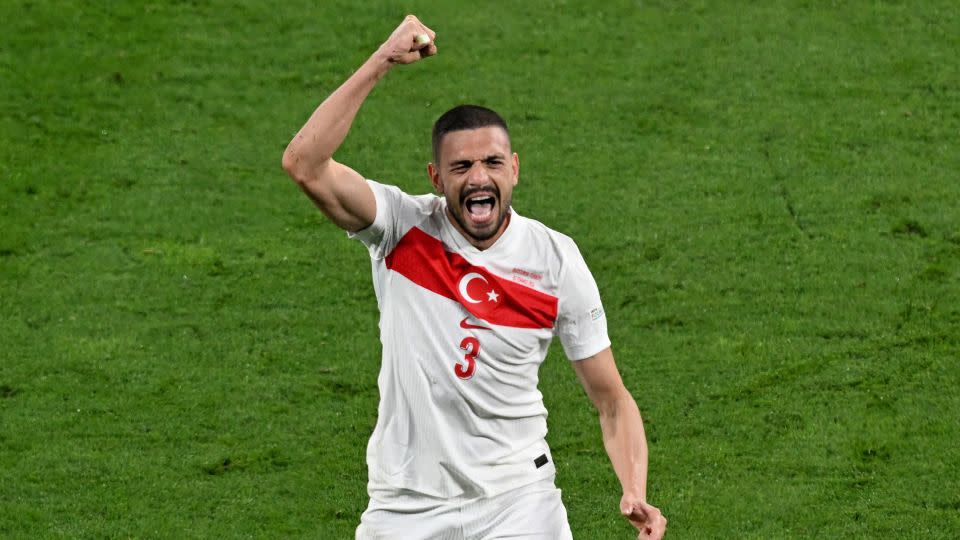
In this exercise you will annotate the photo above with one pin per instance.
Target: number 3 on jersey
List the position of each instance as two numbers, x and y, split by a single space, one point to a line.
471 347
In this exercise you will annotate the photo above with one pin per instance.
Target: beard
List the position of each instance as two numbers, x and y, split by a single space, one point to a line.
486 231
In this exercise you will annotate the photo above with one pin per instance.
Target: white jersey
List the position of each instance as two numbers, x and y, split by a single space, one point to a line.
464 332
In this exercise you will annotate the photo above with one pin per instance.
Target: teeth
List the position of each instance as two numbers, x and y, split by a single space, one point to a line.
480 206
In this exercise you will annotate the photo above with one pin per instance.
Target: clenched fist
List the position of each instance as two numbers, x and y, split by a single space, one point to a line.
646 518
410 42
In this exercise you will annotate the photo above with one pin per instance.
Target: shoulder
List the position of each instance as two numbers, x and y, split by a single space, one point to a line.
556 244
392 198
396 193
397 212
551 256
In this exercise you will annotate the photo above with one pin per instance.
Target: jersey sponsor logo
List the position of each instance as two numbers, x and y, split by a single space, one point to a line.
423 260
464 324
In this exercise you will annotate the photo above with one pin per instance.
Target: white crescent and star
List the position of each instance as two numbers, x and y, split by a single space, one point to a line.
492 295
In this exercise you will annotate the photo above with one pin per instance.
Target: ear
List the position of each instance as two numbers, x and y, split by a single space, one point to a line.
434 175
516 168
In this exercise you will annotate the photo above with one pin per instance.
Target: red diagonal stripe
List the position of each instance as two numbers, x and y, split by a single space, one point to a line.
422 259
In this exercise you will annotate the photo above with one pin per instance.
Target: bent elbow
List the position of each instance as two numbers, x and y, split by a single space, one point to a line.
291 164
305 170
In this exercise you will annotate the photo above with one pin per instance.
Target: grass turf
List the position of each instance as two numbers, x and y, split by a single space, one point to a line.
766 193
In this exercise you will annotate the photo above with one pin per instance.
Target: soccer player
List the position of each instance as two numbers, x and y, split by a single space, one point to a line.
470 295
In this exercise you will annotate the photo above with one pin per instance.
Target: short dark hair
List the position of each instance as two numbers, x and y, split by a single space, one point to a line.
464 117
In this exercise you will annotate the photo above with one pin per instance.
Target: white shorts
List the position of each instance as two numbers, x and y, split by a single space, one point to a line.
534 511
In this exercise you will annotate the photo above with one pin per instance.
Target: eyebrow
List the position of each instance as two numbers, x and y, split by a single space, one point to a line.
469 162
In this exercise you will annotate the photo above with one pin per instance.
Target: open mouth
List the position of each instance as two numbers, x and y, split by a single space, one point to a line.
480 207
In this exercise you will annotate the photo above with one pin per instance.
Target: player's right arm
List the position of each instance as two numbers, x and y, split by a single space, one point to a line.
338 191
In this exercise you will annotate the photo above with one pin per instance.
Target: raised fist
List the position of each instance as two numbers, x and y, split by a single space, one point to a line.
410 42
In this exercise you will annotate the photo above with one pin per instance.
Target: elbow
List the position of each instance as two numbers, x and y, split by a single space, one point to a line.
291 164
305 170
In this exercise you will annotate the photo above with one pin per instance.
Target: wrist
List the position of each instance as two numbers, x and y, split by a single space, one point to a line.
380 63
635 495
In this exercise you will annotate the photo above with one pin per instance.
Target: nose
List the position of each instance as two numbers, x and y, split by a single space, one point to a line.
477 175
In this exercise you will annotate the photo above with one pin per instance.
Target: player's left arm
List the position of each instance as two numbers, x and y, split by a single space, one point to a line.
623 438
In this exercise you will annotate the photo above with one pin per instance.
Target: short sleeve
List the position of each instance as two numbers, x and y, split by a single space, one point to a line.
397 212
581 322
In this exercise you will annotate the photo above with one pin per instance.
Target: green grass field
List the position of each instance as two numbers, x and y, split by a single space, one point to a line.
767 193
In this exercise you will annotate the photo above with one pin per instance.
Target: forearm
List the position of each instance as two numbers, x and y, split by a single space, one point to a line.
626 443
329 124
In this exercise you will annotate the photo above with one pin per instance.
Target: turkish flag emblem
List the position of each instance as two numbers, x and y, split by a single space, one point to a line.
478 292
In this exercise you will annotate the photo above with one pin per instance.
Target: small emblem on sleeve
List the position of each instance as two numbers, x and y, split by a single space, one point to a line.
540 461
596 313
